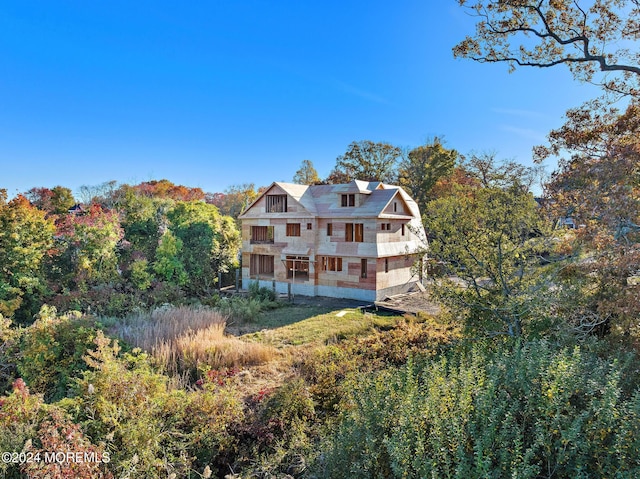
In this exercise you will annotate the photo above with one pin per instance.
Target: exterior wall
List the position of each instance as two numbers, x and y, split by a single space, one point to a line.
350 276
347 293
394 235
398 279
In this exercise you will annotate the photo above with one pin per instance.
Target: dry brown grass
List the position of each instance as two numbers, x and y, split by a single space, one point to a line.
186 340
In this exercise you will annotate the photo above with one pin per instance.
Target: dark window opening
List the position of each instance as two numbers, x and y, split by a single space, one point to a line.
309 226
331 263
261 234
293 229
363 268
349 200
298 267
403 229
276 203
261 264
386 265
354 232
329 229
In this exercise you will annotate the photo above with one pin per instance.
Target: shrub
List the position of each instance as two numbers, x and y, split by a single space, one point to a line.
277 432
51 352
326 369
262 294
9 351
520 412
119 400
20 414
207 419
58 435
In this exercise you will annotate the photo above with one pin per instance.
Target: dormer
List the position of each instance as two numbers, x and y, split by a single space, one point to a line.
354 194
397 207
347 200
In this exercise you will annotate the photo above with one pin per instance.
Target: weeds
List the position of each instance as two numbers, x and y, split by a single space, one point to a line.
184 341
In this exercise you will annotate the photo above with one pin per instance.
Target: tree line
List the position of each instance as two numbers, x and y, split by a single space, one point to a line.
125 247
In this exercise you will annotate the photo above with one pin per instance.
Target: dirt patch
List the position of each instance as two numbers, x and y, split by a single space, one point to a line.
329 303
411 303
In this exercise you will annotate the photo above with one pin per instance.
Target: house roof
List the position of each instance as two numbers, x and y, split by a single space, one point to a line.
324 200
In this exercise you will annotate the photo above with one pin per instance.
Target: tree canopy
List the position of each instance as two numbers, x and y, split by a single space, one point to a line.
587 36
419 172
307 174
367 161
25 239
488 235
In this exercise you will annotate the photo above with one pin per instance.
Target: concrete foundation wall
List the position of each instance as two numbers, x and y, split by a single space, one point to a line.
347 293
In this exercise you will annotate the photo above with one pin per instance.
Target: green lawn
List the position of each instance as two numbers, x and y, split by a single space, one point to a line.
301 325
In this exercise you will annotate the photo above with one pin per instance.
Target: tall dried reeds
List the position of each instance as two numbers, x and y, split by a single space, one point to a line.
184 340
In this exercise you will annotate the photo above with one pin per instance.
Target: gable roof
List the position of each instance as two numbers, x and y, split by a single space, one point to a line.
324 200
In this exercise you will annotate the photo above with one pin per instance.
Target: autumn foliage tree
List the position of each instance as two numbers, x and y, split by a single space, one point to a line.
88 244
57 200
586 36
598 185
26 237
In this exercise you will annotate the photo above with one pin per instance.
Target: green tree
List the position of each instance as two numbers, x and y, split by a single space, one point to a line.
419 172
210 242
307 174
168 265
490 238
586 36
26 236
366 161
143 219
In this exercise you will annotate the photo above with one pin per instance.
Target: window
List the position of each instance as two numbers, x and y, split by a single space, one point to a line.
349 200
293 229
329 229
359 232
395 206
386 226
261 234
298 267
402 229
386 265
261 264
363 268
276 203
354 232
309 226
330 263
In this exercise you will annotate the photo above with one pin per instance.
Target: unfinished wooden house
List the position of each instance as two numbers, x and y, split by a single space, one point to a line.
357 240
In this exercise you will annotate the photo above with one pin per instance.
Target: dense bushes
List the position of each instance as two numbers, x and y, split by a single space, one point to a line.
534 410
51 352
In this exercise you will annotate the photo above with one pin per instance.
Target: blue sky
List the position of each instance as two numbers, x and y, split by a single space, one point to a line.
216 93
